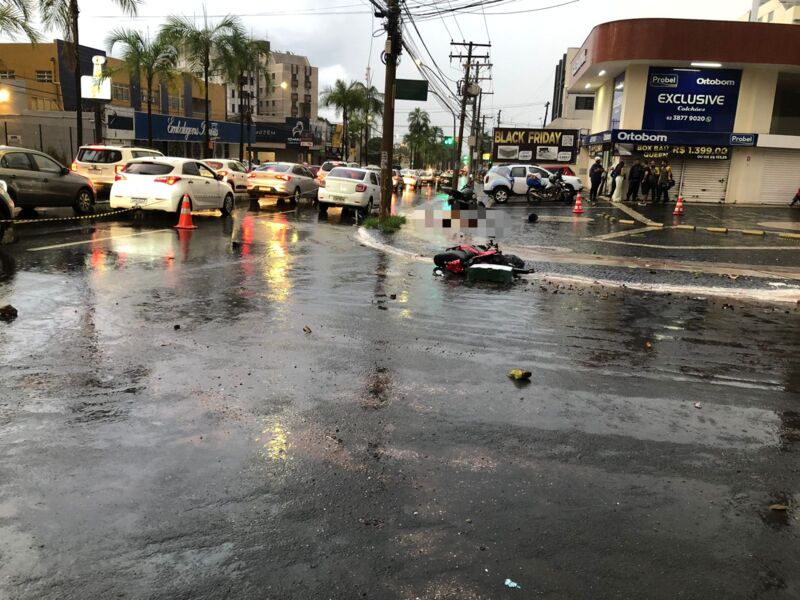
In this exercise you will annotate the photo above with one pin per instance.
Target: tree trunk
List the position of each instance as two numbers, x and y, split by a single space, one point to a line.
150 112
73 15
207 149
344 134
241 119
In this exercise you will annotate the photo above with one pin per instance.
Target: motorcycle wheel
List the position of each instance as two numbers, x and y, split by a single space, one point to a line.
441 259
533 197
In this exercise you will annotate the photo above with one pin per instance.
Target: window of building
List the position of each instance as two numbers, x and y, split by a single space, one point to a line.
44 76
786 109
233 93
584 103
120 92
8 75
176 103
771 16
154 96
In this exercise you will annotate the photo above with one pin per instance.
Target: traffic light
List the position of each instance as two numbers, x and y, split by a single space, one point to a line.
465 159
449 141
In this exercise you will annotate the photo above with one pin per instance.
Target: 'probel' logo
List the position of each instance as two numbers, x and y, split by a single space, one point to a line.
641 136
669 81
743 139
707 81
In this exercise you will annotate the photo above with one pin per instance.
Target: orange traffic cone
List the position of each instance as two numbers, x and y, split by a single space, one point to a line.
578 210
185 220
678 207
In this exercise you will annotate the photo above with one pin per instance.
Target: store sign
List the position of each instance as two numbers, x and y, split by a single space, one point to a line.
535 145
293 132
187 129
656 151
682 138
691 99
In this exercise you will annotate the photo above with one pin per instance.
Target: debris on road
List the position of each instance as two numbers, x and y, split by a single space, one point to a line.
306 328
778 507
176 327
698 405
512 584
648 345
533 217
8 313
519 375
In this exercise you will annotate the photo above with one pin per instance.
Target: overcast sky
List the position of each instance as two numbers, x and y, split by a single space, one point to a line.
336 35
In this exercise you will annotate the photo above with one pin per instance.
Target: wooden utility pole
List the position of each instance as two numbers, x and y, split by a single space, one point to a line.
546 110
464 94
391 53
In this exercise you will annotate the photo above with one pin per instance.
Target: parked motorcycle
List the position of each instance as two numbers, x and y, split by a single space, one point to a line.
556 192
459 258
463 199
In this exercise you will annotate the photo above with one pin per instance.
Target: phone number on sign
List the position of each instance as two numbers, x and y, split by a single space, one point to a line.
690 118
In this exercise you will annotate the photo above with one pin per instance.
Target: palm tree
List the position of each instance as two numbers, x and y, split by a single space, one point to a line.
145 57
419 122
197 45
240 56
63 15
345 98
15 18
370 103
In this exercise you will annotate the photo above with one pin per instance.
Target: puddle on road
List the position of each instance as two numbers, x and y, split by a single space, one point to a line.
789 429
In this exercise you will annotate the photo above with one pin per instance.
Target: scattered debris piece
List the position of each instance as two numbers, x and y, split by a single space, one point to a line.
176 327
8 313
648 345
512 584
393 296
519 375
778 507
306 328
698 405
380 306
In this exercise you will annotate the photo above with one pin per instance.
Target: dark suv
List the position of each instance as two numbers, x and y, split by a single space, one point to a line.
36 180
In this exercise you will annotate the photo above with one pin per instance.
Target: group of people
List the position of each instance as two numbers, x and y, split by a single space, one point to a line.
652 179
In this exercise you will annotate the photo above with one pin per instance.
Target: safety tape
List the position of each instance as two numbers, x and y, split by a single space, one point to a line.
74 218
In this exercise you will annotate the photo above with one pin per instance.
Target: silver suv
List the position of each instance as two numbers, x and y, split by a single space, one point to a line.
101 163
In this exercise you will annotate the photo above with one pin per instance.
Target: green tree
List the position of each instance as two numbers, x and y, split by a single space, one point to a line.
370 104
148 58
62 15
345 98
15 18
419 122
197 44
240 56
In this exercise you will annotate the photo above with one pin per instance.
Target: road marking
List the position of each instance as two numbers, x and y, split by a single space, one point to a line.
635 214
617 234
103 239
722 248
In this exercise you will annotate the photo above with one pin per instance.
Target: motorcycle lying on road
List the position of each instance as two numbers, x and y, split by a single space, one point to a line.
460 258
556 192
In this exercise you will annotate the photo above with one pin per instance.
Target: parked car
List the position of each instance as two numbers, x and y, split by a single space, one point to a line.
160 183
354 165
427 177
283 180
350 187
233 172
504 181
410 177
101 163
326 168
6 209
34 179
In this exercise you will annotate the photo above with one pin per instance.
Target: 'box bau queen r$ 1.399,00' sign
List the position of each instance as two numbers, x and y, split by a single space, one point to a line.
535 145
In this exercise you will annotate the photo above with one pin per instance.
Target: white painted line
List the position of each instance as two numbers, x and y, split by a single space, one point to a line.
617 234
720 248
104 239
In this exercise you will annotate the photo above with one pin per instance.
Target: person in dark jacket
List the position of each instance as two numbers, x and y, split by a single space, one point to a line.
634 181
596 172
646 170
652 181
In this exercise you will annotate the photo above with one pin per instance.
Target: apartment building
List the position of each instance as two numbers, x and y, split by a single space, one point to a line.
786 12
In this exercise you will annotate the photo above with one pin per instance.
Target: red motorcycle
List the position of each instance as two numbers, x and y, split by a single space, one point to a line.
459 258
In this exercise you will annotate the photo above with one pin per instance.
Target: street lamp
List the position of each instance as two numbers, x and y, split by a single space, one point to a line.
284 85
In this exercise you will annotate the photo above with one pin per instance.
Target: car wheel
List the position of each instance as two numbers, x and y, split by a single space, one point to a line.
323 208
296 195
367 210
227 205
501 195
84 203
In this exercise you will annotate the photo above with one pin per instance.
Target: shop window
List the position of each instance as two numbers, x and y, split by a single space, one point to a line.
786 109
44 76
584 103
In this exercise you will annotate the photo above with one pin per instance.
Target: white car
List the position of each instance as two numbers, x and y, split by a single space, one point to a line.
350 188
101 163
233 172
160 184
503 181
410 177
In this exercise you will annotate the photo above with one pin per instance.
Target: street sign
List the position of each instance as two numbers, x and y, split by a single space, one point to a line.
411 89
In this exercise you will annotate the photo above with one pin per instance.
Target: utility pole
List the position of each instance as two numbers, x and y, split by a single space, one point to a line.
546 110
464 93
391 53
499 112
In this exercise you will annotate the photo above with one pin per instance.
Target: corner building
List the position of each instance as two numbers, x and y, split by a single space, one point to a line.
719 99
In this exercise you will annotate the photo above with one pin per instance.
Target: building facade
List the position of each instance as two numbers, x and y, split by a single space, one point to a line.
720 100
38 99
571 110
786 12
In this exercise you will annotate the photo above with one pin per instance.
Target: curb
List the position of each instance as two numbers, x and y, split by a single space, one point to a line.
790 236
686 227
753 232
717 229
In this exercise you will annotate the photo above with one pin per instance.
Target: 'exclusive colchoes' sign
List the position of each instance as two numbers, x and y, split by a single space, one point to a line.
691 99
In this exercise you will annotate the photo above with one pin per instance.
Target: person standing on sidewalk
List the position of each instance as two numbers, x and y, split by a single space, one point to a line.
619 178
665 181
652 182
634 181
646 173
596 177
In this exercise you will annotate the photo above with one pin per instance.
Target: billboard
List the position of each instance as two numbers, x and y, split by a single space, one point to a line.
691 99
535 145
96 86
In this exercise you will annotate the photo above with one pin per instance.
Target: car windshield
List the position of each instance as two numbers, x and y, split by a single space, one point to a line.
214 164
274 168
148 168
504 171
99 155
346 173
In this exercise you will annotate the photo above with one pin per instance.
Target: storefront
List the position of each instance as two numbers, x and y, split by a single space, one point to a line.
292 141
185 136
726 115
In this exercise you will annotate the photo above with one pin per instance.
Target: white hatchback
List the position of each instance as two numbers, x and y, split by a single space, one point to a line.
233 172
160 184
101 163
350 187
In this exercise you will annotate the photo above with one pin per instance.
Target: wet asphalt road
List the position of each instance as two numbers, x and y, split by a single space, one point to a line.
169 430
